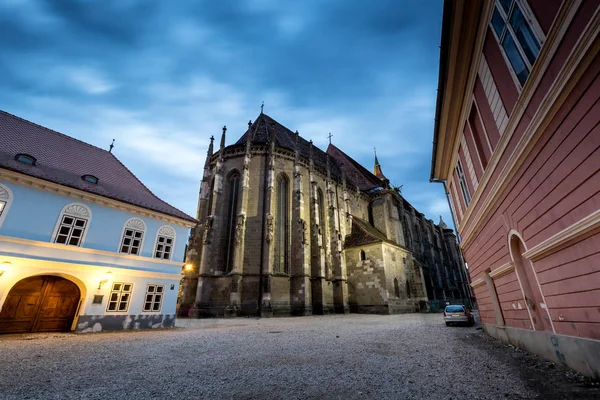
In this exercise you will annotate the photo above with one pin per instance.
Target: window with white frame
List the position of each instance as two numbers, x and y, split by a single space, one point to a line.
72 225
516 34
120 297
133 236
5 200
165 240
154 298
463 183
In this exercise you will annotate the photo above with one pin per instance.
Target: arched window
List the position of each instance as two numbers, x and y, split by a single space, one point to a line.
72 225
407 241
282 225
363 256
210 197
165 242
419 238
321 211
396 287
233 186
5 201
132 237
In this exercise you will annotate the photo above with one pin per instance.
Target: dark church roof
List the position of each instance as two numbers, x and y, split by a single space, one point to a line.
355 172
260 133
364 233
64 160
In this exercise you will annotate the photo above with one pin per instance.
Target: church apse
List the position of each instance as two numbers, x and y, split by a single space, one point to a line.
281 227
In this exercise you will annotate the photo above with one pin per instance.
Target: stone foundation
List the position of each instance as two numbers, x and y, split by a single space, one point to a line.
580 354
101 323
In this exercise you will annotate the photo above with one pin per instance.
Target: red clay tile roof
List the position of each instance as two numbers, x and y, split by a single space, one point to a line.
64 160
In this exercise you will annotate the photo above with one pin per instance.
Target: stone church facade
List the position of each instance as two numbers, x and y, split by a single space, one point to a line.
288 229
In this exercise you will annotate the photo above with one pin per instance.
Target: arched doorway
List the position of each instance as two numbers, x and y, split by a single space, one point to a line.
40 304
531 291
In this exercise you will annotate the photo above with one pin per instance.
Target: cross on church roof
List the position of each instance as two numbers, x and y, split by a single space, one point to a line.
262 106
330 135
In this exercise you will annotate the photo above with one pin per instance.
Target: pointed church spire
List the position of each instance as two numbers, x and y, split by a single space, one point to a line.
222 142
209 153
296 150
377 168
442 224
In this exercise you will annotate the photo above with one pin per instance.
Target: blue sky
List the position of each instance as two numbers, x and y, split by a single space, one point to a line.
162 77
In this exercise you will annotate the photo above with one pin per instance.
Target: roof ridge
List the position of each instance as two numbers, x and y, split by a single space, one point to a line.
53 131
145 187
353 161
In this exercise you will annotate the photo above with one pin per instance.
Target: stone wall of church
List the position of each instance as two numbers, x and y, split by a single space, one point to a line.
367 288
290 291
400 281
317 267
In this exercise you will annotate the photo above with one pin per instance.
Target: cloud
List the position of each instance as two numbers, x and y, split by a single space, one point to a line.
161 78
89 81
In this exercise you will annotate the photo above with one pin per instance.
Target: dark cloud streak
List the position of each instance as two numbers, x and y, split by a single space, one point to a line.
177 71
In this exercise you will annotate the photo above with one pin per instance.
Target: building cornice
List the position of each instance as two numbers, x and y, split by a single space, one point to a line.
61 266
462 44
55 188
577 62
501 271
477 283
577 231
84 250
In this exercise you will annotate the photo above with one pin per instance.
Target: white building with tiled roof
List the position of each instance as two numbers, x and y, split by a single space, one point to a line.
84 245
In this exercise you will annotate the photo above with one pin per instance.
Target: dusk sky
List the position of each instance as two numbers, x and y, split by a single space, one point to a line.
161 77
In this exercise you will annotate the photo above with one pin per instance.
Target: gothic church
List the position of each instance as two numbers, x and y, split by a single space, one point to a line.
288 229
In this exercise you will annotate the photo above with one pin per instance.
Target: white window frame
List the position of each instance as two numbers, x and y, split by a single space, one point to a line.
535 29
74 210
152 295
6 197
120 292
135 224
168 232
462 181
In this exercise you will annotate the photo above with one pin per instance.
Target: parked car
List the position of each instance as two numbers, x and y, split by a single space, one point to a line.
458 315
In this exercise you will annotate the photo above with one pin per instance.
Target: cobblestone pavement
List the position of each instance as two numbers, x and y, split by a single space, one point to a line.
412 356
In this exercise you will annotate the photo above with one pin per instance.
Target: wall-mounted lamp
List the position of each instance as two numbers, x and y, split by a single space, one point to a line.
186 268
106 278
4 266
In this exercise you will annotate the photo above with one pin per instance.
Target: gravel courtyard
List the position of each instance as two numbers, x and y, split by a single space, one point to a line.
336 357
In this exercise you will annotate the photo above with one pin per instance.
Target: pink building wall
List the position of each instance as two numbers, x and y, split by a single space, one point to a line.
556 186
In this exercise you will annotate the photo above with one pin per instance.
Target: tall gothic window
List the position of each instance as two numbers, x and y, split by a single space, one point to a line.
321 206
234 188
407 241
282 225
370 212
210 197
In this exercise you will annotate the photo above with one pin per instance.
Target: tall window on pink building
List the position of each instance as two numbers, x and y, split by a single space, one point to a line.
518 40
463 183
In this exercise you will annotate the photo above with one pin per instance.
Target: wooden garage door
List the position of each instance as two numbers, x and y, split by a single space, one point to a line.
40 304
